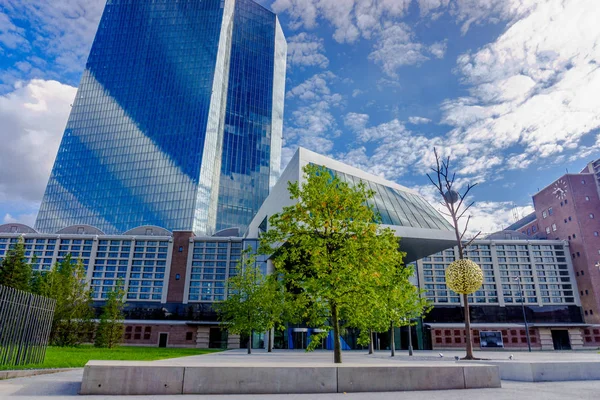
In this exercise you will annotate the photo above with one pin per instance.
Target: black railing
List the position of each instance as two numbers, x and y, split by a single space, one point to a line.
25 323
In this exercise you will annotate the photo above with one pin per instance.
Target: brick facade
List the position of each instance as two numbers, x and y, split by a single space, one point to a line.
177 275
513 338
576 218
145 334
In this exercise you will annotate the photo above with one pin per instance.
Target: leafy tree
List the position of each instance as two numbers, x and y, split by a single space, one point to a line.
254 301
333 251
405 302
73 312
109 332
15 272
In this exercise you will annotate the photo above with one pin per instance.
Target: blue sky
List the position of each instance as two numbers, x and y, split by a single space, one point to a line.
509 88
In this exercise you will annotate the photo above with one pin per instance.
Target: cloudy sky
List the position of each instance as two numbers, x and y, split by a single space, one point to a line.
509 88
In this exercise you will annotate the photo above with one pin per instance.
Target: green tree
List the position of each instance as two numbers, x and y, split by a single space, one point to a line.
246 308
333 250
15 272
66 283
109 332
405 302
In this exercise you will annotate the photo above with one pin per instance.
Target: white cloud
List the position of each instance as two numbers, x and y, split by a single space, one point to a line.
418 120
535 87
351 19
314 88
27 219
312 124
486 216
356 122
426 6
306 50
65 29
33 119
11 36
396 48
439 49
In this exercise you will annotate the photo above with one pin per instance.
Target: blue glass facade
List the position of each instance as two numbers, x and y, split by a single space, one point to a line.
253 98
145 139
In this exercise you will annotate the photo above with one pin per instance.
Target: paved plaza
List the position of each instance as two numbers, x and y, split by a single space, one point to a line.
67 384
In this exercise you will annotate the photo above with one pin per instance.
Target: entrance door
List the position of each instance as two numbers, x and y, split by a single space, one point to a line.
217 338
560 339
162 339
300 339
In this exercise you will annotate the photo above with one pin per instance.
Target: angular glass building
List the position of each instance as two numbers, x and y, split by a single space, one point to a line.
422 229
177 121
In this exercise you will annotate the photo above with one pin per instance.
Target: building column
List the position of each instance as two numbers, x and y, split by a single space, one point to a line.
202 337
233 341
546 339
576 338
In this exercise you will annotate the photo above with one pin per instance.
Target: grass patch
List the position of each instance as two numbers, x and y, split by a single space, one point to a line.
77 357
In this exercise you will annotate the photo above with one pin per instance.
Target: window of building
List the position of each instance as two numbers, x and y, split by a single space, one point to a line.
591 312
528 231
181 249
582 273
570 219
548 230
583 181
591 216
189 335
554 227
586 291
550 212
574 236
565 220
586 313
561 203
595 233
534 229
587 198
577 273
544 214
578 254
566 201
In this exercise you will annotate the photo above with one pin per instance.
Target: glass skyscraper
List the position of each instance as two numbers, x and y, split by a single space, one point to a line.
177 121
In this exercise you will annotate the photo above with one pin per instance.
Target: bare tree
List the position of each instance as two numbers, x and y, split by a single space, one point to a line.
457 205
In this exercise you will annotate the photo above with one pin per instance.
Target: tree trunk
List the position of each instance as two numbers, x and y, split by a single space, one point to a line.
469 355
270 345
337 346
250 343
370 342
392 340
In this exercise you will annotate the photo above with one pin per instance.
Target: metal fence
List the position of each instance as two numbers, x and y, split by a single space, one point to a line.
25 323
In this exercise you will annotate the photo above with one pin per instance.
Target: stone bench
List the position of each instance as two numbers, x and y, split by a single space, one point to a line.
156 378
545 371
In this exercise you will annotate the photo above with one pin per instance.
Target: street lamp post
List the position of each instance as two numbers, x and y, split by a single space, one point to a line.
518 279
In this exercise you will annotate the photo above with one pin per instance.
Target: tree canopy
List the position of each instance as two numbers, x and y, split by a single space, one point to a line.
109 332
331 252
255 302
15 271
66 283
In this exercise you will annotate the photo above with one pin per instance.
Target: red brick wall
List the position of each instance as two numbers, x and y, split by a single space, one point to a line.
455 338
591 337
148 335
176 289
578 230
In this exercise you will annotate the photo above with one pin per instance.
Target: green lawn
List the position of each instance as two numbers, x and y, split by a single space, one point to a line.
75 357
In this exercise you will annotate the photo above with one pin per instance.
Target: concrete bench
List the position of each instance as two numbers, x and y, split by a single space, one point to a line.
156 378
546 371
